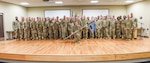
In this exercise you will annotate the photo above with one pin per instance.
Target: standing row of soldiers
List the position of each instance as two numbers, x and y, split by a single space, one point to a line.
44 28
51 28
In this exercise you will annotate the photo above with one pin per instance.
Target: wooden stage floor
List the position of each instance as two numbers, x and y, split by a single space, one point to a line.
68 50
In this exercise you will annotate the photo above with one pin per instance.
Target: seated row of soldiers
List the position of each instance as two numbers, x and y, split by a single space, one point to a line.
50 28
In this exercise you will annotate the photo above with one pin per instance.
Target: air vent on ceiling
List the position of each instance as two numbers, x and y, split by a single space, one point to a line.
48 0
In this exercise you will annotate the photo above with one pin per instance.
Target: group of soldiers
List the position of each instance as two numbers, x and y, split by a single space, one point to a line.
59 28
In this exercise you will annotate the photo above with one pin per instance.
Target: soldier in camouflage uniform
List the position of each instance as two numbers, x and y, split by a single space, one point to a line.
39 28
118 28
97 31
56 28
112 27
26 29
16 28
64 27
77 36
84 23
70 25
134 26
50 28
128 30
78 19
123 27
106 28
21 28
60 28
33 29
45 26
101 26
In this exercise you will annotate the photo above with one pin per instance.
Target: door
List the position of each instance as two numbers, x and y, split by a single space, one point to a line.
1 26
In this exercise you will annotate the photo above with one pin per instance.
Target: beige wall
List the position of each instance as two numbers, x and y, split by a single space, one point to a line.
10 11
113 10
141 9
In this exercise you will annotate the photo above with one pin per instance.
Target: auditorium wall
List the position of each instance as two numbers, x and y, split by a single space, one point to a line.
10 11
141 9
113 10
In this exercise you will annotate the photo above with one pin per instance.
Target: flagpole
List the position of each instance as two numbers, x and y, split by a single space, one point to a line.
77 31
74 33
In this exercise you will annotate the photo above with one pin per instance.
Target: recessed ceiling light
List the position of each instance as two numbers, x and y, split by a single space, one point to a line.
24 3
129 1
94 1
58 2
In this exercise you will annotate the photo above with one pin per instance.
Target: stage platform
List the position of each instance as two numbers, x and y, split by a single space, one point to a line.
68 50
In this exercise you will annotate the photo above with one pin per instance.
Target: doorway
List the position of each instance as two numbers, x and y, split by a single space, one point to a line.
1 27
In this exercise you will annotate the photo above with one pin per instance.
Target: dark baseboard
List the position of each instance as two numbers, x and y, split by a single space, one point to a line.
2 38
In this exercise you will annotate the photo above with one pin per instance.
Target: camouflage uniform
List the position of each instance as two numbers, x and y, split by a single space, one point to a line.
112 28
106 28
21 30
128 31
45 30
64 28
97 32
77 36
101 28
123 28
40 30
50 29
16 29
33 30
134 27
80 24
27 30
56 29
118 29
70 27
85 29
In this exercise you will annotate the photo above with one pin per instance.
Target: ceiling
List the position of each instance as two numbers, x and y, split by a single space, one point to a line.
38 3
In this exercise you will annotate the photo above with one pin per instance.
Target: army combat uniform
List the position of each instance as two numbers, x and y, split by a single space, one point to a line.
40 30
27 31
134 27
106 28
84 23
33 30
80 24
56 29
77 36
128 30
63 24
112 28
45 30
101 28
21 30
50 29
70 27
118 29
16 29
97 32
123 28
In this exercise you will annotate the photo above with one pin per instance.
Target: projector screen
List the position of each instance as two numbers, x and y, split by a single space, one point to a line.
55 13
95 13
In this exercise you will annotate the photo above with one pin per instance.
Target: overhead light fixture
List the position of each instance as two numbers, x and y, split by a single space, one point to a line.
94 1
24 3
129 1
58 2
